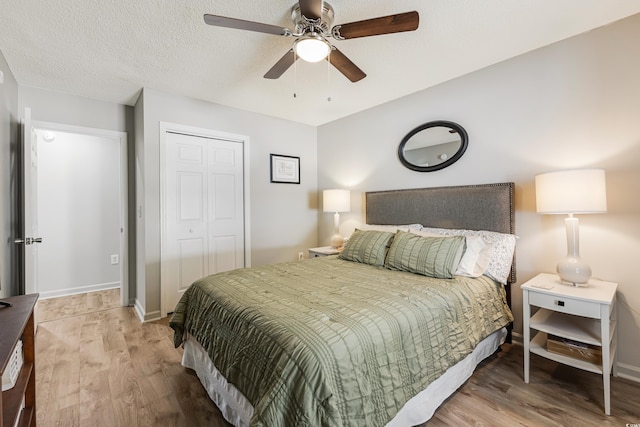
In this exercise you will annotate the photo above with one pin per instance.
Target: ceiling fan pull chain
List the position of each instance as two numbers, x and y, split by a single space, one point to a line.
295 73
329 77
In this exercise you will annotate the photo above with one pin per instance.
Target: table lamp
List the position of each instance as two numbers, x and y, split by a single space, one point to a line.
336 201
579 191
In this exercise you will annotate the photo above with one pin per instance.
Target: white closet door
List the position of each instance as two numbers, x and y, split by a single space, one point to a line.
225 220
204 211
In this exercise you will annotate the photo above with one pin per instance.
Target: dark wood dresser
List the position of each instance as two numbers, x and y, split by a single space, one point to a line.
16 323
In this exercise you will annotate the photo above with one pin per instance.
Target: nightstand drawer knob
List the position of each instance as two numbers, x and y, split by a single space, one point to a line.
559 303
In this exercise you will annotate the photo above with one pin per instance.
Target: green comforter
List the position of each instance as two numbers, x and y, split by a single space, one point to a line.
328 342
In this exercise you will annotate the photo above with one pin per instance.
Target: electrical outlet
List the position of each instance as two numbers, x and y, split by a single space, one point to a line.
114 259
300 256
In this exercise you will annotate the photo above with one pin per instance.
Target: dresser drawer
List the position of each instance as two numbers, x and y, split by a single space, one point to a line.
565 305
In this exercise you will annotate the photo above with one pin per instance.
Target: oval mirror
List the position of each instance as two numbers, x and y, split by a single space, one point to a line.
433 146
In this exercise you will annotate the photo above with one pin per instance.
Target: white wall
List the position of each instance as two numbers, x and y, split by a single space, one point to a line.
67 109
283 216
570 105
8 184
79 205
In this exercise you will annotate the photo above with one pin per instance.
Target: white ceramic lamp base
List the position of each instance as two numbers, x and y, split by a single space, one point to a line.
336 240
572 268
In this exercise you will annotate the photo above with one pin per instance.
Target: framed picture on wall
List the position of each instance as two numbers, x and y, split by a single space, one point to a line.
285 169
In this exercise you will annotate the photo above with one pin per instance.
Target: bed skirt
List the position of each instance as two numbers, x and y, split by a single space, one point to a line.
237 410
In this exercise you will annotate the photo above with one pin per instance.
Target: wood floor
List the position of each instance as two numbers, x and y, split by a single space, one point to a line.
105 368
74 305
97 365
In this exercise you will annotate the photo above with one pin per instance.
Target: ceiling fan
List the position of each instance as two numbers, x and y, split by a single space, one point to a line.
313 20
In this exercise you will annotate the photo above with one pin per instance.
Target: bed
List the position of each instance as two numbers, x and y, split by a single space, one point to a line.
380 335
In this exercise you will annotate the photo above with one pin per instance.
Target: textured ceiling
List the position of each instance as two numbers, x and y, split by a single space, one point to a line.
110 49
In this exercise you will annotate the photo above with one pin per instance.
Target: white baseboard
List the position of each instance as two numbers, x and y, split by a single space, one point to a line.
152 316
139 310
79 290
629 372
145 317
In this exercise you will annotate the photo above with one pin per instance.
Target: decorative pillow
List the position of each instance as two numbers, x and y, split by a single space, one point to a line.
476 256
367 247
430 256
502 249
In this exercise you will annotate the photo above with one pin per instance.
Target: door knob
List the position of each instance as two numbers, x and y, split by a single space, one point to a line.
28 240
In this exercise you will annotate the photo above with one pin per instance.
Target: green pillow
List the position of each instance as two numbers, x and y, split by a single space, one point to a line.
367 247
430 256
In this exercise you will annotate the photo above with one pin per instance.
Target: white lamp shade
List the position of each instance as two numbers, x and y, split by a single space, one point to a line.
336 201
577 191
312 48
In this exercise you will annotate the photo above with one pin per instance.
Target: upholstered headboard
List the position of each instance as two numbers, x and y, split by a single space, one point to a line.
472 207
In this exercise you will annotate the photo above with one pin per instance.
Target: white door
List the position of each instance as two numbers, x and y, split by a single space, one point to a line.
30 237
203 224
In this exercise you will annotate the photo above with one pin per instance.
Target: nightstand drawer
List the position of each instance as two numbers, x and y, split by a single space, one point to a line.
322 251
565 305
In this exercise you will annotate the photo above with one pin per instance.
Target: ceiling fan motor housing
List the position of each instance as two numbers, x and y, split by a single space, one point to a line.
304 25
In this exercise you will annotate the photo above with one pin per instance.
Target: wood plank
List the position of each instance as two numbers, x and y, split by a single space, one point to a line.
74 305
95 399
68 416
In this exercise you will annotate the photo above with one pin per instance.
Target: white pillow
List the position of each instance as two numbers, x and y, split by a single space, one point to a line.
502 249
476 257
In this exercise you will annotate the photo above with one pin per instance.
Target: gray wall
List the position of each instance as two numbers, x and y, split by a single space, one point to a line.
573 104
283 216
56 107
8 184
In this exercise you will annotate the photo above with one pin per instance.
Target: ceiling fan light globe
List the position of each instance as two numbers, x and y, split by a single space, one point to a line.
312 49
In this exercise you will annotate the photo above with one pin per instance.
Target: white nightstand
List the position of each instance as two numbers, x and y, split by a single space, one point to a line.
322 251
583 314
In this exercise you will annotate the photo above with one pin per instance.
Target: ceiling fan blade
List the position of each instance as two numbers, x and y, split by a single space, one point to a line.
240 24
407 21
345 66
282 65
312 9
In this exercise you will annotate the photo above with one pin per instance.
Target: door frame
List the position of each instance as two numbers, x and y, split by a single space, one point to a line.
124 191
166 127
